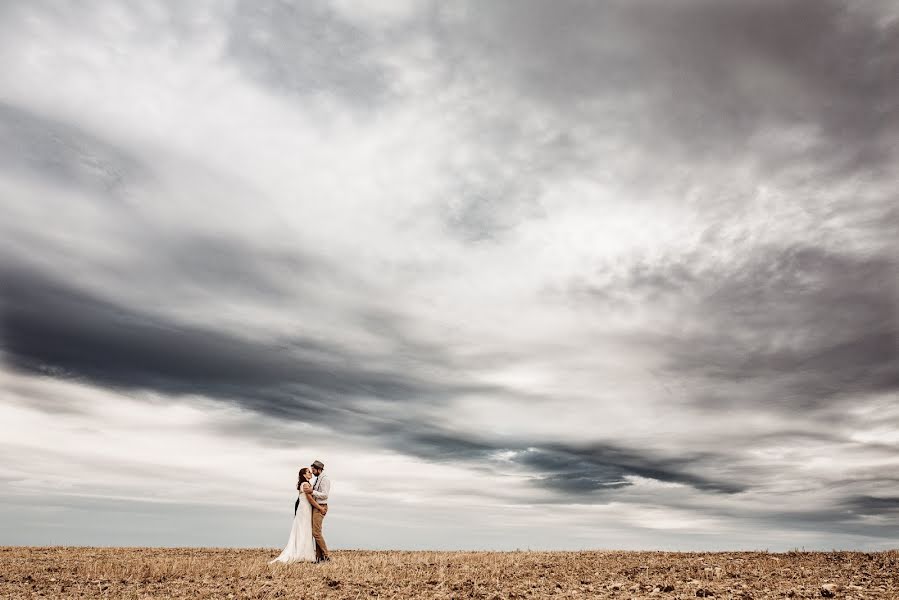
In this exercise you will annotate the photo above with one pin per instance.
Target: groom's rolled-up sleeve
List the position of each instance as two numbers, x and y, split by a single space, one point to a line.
321 494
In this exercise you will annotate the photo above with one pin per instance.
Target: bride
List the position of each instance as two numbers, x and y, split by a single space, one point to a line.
301 546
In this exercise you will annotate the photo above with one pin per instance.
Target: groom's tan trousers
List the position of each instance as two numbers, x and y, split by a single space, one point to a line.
321 548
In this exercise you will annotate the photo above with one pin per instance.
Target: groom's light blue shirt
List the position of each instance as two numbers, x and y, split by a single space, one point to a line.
321 488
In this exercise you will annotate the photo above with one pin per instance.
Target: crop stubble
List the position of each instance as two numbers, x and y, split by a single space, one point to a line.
62 572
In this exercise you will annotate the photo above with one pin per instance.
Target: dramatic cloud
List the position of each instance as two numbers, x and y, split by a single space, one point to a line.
623 270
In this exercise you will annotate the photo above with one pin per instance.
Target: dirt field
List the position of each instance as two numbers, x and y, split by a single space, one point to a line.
224 573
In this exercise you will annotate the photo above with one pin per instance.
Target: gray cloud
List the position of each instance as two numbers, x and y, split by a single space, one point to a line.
836 315
58 152
700 91
572 472
872 505
805 324
698 76
51 327
600 466
303 48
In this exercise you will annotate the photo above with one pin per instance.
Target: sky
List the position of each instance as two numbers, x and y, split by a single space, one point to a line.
523 275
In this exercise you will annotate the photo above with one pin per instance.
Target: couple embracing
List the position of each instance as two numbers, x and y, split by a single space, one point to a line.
306 542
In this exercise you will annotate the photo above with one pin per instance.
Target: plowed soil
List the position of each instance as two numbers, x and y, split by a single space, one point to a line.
230 573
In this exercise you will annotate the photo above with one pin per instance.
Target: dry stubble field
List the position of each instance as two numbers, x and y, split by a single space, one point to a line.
230 573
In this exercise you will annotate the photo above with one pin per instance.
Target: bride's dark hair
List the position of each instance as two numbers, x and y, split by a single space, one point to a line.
300 478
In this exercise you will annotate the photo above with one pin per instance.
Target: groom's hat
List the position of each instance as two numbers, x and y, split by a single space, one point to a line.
318 464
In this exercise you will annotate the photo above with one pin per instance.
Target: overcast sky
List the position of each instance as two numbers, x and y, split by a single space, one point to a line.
543 275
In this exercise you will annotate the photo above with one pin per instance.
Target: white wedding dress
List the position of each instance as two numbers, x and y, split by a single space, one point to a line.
300 547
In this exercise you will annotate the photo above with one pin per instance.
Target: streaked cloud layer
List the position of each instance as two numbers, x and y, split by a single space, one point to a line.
615 275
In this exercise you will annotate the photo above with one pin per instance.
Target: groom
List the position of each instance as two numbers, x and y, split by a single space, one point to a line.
320 490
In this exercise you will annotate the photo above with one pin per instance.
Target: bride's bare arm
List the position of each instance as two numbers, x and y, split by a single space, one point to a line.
307 489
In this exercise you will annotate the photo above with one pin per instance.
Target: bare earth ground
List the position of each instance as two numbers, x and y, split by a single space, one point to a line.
230 573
